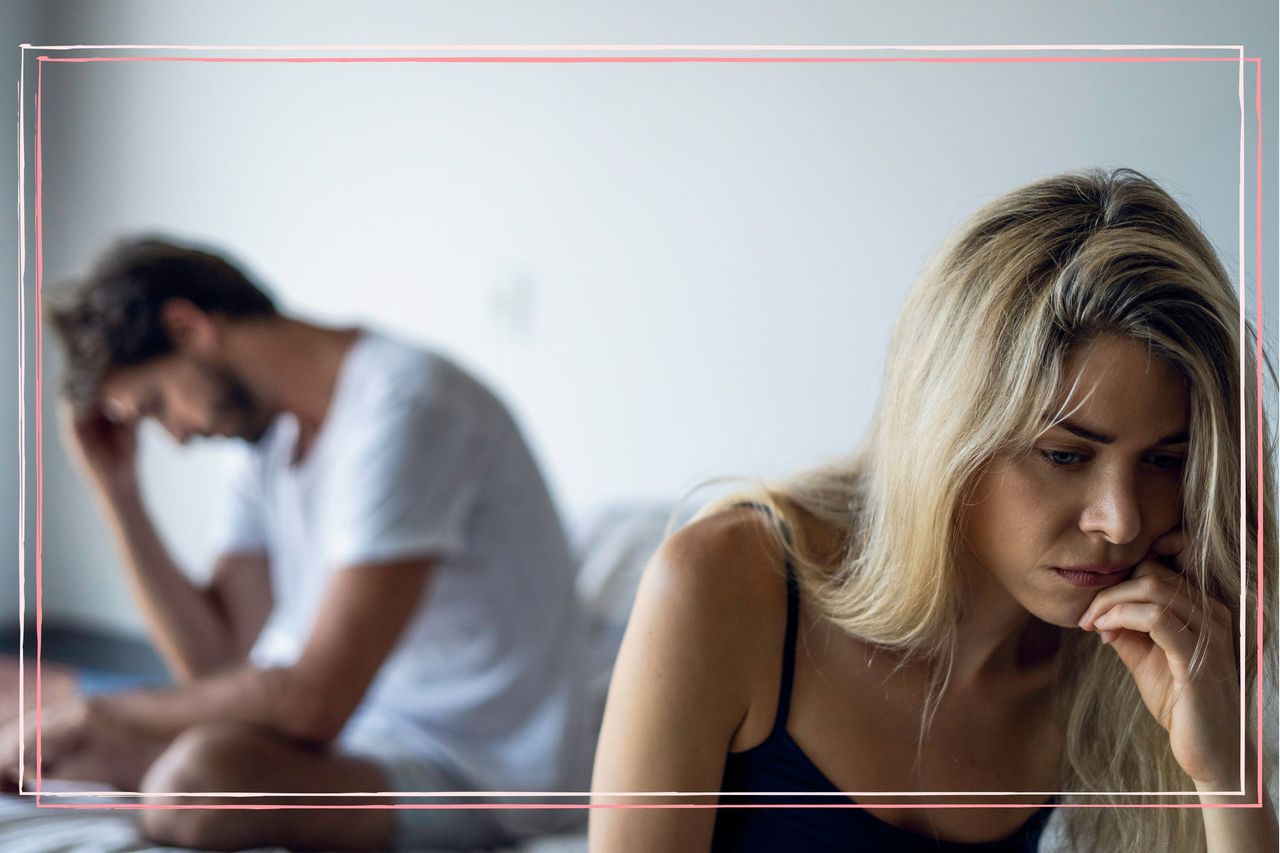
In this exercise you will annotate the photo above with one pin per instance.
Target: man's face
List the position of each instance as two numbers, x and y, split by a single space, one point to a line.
188 397
1077 499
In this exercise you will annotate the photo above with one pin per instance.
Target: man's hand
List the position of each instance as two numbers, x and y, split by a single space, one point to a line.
80 742
106 449
64 730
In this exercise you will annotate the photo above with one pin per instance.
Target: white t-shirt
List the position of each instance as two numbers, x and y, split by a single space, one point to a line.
416 458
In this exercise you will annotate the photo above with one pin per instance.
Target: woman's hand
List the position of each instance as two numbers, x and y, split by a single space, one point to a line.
1153 620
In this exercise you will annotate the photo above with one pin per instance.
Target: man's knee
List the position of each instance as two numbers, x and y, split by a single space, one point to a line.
213 757
209 757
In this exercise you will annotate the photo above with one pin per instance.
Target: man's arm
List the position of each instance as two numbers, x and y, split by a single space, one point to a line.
198 629
241 589
364 611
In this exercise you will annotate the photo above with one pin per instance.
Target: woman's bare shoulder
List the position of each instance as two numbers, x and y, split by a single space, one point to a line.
728 562
684 680
711 600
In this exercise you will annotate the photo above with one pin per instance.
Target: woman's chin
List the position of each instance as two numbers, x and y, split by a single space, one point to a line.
1061 613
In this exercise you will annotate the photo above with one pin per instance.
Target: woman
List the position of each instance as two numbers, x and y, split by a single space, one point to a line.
1027 579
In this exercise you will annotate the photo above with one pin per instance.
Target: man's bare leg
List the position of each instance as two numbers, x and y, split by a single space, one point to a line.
234 757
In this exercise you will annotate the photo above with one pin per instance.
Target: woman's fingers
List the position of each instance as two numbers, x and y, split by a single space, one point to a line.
1150 583
1162 623
1171 544
1174 635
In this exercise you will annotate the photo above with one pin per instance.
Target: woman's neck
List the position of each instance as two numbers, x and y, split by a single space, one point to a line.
996 638
998 642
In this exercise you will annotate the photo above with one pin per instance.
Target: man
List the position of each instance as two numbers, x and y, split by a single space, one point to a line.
392 607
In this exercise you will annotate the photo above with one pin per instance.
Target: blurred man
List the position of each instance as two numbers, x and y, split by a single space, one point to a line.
392 607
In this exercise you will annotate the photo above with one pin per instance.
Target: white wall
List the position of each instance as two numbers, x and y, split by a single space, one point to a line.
669 271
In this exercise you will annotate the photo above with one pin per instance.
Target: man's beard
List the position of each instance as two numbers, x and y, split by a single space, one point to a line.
246 417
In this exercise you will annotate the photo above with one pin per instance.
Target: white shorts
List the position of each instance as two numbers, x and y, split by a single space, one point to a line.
428 830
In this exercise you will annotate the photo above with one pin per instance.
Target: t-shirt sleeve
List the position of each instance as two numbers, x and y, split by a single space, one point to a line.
407 479
241 525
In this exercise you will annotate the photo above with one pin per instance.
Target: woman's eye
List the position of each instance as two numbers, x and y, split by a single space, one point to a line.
1167 462
1062 458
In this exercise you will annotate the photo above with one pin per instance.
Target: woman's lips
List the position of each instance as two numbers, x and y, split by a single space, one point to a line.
1092 579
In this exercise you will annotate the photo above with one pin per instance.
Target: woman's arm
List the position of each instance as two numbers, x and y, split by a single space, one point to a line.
682 684
1239 830
1152 622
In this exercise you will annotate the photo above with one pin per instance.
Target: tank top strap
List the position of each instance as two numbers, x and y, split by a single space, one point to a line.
792 631
788 652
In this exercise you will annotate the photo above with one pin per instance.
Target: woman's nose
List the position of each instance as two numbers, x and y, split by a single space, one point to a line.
1113 508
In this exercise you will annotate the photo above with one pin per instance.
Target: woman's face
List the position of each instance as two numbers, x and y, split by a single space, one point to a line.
1075 514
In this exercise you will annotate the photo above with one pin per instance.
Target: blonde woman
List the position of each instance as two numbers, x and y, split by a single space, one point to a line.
1027 579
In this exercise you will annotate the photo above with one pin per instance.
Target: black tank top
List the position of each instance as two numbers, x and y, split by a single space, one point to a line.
779 764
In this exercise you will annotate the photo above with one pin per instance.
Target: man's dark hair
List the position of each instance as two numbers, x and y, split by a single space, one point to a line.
113 317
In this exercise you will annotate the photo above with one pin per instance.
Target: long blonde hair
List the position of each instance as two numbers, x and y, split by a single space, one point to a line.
974 366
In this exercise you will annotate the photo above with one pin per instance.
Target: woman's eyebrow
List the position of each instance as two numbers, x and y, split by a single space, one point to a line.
1102 438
